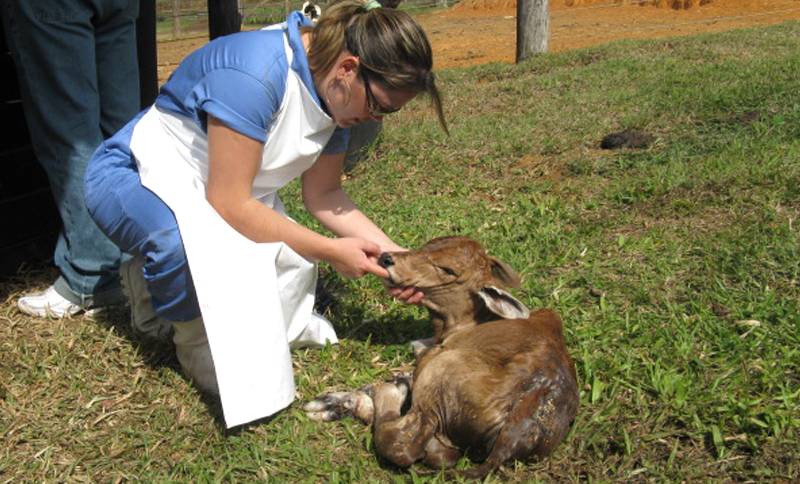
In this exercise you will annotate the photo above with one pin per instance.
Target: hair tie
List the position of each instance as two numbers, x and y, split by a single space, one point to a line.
372 4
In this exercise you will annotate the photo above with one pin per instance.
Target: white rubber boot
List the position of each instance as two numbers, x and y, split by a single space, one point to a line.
194 354
143 317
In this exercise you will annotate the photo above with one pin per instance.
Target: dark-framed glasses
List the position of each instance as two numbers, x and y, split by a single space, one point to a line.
375 108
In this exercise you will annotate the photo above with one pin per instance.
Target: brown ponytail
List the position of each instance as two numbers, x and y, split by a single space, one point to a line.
392 48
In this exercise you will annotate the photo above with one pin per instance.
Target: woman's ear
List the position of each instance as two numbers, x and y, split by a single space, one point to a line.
347 67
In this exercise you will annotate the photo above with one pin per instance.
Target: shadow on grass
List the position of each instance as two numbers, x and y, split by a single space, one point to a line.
28 278
350 317
351 321
155 353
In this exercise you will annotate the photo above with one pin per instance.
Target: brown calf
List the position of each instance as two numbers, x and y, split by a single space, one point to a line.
497 383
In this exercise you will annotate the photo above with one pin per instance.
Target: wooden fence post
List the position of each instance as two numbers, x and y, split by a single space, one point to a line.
533 25
176 19
147 52
223 18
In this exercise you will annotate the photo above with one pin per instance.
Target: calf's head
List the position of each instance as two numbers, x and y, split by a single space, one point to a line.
462 284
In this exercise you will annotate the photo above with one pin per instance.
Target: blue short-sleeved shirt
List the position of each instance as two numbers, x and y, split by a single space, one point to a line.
240 79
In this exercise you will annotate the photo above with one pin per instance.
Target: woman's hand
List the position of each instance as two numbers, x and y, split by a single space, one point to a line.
327 202
408 295
354 257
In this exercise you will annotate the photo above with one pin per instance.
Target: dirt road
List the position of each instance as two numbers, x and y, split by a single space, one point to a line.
481 31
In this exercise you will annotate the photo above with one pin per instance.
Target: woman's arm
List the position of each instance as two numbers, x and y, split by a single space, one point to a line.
234 161
325 199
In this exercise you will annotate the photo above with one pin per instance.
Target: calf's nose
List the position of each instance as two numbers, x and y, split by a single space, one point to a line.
385 260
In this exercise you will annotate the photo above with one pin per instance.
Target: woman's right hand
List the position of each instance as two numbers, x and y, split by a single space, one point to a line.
354 257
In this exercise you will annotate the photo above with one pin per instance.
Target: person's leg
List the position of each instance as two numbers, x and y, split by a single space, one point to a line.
142 225
194 354
117 63
158 275
52 42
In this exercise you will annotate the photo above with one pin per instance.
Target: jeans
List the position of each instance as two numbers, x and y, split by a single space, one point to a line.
79 79
141 224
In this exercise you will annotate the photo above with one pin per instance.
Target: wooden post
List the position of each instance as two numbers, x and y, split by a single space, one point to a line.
223 18
533 25
147 52
176 19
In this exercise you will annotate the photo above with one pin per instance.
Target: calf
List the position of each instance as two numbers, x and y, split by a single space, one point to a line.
312 11
497 382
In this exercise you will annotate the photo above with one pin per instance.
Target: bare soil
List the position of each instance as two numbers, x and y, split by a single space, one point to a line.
482 31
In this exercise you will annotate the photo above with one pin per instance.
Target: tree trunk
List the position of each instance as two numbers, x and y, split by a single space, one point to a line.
533 25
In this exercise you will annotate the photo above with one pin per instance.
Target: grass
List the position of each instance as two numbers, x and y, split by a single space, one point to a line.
675 269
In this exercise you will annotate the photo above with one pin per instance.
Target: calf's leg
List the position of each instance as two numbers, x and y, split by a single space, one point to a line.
399 438
440 455
335 405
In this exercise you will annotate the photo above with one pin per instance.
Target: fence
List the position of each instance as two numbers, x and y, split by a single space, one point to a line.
182 19
616 22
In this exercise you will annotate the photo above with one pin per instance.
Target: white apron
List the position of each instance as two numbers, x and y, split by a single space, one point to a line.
256 299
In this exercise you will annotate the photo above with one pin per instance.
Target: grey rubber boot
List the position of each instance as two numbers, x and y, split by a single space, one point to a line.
194 354
144 319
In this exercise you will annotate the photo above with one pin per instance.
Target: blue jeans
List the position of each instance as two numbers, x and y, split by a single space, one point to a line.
78 72
141 224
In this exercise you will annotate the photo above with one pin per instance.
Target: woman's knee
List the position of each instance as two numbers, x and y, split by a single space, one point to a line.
112 196
140 223
169 280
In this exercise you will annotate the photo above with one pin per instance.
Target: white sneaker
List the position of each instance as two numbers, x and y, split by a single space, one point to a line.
48 303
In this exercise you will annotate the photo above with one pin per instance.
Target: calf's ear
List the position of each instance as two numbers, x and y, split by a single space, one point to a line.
503 304
504 274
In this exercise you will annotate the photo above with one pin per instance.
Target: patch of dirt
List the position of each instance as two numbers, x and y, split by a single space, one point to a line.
482 31
630 138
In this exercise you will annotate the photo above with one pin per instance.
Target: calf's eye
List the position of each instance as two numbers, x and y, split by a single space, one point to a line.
448 271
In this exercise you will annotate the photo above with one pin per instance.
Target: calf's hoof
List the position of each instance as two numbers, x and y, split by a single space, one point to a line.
336 405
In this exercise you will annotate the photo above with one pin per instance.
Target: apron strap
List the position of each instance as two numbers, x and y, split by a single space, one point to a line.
288 49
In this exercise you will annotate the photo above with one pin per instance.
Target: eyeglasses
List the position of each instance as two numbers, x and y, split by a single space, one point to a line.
373 106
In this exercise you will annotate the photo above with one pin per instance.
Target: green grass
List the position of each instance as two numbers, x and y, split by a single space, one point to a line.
675 269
